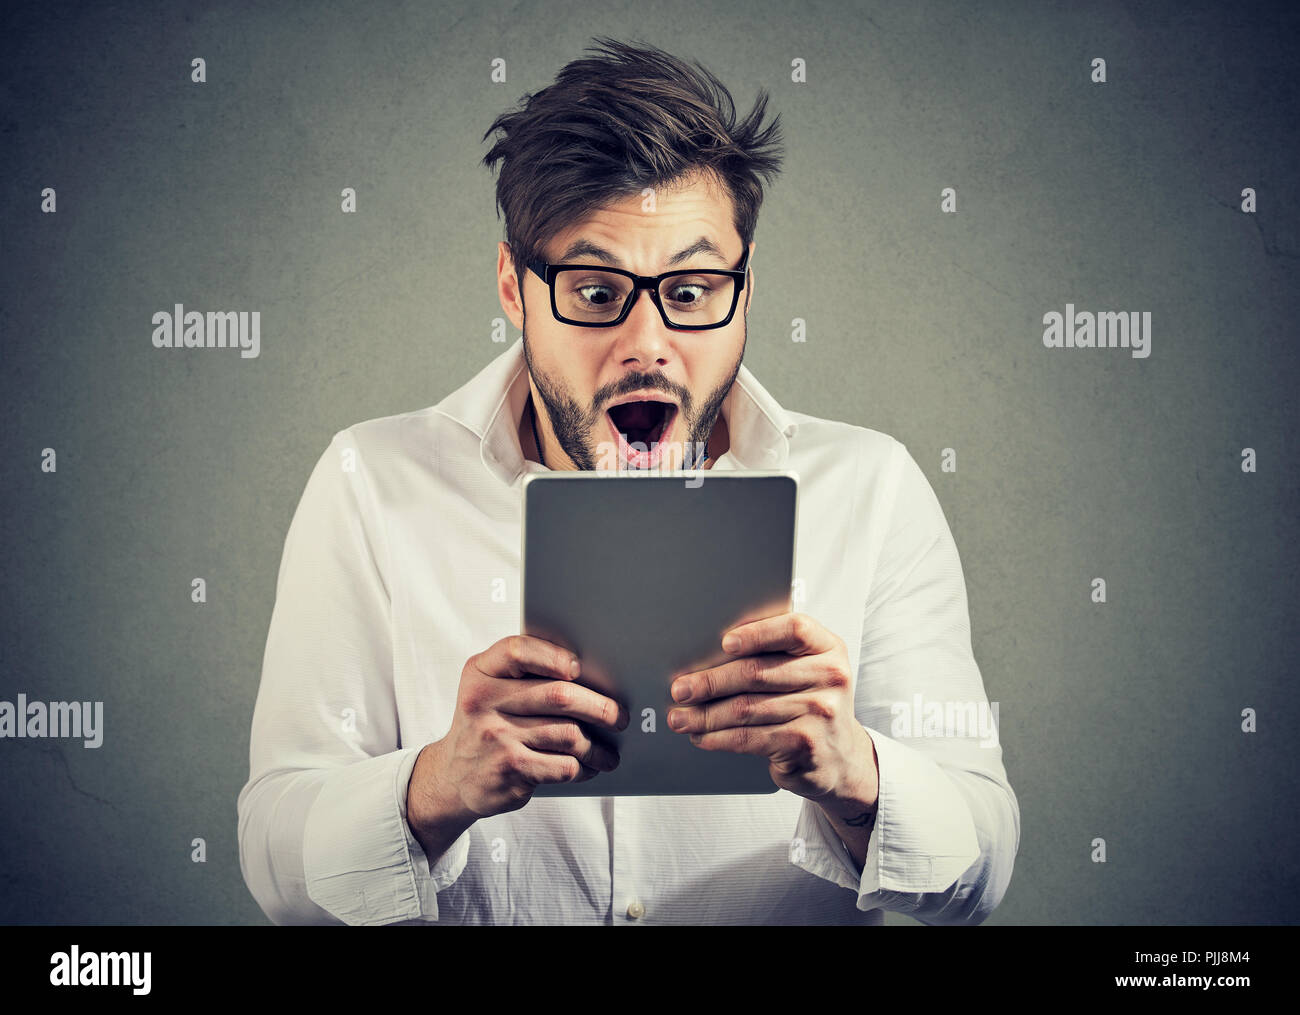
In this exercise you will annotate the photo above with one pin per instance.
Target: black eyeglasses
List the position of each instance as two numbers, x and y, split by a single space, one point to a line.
590 296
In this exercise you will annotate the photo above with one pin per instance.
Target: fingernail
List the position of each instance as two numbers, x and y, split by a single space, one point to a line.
575 668
682 690
676 719
731 642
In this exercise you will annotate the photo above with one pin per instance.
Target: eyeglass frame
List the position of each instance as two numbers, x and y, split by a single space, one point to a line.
548 273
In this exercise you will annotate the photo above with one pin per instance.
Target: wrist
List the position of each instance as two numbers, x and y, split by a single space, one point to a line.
435 811
859 795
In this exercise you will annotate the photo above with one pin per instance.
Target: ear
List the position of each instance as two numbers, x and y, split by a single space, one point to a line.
749 281
509 286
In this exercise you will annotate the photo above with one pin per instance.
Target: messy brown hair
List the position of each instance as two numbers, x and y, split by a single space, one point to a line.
630 117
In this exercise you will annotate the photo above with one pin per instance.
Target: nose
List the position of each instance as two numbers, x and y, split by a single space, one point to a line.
646 306
643 336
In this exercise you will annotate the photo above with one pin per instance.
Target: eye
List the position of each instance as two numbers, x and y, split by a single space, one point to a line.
688 292
596 295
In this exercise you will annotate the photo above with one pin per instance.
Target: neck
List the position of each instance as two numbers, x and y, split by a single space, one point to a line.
719 441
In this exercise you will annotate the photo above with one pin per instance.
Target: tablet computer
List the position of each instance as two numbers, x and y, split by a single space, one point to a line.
640 575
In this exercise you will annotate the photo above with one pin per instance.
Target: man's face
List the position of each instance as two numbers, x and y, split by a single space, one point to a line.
578 374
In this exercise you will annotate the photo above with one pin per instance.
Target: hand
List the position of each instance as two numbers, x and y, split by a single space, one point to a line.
517 724
788 696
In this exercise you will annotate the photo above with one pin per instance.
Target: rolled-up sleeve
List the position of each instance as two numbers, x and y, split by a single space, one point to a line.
323 836
947 827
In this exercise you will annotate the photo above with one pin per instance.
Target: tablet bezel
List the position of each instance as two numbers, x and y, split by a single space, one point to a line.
738 774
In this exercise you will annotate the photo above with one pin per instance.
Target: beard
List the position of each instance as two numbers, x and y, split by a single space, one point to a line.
581 430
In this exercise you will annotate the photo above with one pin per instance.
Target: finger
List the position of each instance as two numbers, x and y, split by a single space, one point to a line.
740 710
586 774
795 633
761 740
538 767
772 672
568 701
522 655
542 734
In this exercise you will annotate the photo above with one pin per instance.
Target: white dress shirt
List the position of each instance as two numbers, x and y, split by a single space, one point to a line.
403 560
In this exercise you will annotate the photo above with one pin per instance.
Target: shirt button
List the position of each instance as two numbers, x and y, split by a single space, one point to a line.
635 910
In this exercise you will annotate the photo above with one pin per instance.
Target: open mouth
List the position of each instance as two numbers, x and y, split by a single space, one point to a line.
642 422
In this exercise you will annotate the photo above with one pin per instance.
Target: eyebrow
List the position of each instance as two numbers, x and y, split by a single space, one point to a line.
585 248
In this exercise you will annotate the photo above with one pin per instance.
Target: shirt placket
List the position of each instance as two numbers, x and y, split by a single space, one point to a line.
628 901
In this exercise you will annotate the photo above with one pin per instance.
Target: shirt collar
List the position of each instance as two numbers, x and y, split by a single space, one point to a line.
492 402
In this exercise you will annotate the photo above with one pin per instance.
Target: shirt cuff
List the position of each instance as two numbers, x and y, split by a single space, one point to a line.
922 841
361 862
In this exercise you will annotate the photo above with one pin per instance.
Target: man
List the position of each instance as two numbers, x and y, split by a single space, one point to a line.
403 723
